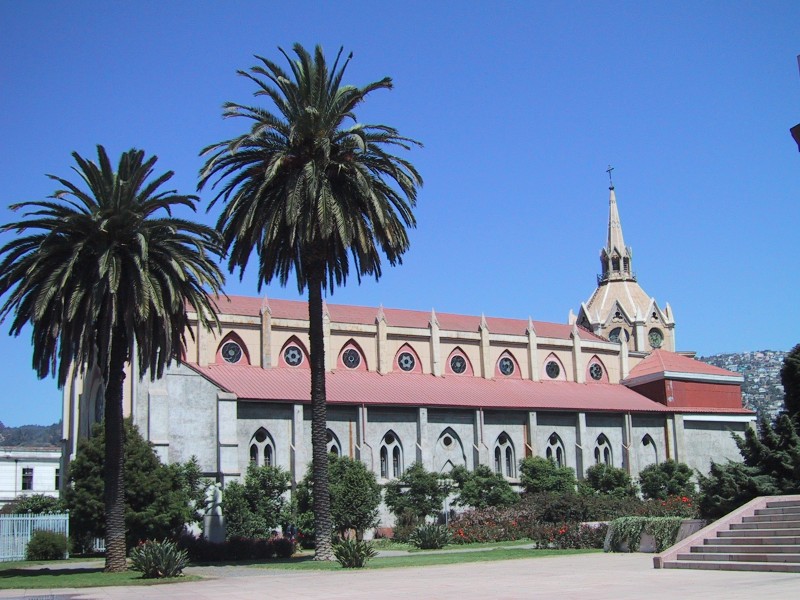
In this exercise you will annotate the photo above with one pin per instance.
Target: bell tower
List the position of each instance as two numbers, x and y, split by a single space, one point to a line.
619 309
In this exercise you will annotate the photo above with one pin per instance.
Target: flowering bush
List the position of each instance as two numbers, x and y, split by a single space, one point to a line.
672 506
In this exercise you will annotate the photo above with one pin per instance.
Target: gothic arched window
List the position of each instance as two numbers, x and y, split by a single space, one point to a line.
602 451
504 462
262 448
555 450
391 456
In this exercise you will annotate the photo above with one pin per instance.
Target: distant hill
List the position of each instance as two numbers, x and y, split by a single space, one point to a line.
762 390
31 435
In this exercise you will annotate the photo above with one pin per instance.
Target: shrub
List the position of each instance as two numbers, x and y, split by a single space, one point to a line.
355 496
237 548
605 479
46 545
430 537
405 524
669 478
568 535
36 504
628 530
353 554
257 507
539 474
157 560
482 488
417 491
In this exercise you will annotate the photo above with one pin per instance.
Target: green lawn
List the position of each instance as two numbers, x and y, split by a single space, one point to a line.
420 560
59 574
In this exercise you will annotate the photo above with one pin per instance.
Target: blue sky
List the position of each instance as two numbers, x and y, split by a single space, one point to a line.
521 107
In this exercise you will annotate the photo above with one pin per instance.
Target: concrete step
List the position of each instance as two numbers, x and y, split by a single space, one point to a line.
779 510
733 566
738 538
748 557
766 525
777 518
767 533
783 504
710 547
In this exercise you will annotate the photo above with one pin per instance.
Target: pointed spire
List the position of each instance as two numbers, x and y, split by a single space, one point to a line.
381 316
615 239
616 257
433 321
265 308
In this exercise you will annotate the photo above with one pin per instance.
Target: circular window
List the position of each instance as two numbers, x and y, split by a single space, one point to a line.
293 356
458 364
406 361
389 438
351 358
503 439
656 338
617 333
506 366
552 369
329 437
231 352
596 371
261 435
447 441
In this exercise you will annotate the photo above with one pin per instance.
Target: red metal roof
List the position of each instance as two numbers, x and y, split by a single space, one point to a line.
662 361
408 389
365 315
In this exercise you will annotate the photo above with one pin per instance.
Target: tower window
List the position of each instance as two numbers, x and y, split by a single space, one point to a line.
231 352
552 369
293 356
406 361
506 366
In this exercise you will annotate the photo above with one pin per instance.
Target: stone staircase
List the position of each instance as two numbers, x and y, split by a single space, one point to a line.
762 535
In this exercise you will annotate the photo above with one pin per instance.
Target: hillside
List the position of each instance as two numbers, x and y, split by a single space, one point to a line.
762 390
31 435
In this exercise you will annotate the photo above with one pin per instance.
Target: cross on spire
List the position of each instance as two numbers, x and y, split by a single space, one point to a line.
610 182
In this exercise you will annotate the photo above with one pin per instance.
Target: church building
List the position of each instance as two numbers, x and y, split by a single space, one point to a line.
442 389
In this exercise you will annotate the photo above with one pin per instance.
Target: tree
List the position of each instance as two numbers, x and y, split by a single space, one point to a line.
790 378
257 507
605 479
103 278
159 499
355 496
309 192
417 492
539 474
668 478
771 467
482 488
35 504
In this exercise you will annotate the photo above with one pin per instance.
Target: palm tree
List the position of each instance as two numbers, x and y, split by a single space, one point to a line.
309 189
104 277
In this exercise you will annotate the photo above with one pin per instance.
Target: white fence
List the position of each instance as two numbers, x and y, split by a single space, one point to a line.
16 531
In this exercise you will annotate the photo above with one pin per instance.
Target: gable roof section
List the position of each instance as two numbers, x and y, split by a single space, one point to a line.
405 389
661 364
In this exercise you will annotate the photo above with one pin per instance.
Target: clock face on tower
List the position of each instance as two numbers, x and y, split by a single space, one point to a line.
656 338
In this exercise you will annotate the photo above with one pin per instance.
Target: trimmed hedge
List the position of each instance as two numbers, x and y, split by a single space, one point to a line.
236 548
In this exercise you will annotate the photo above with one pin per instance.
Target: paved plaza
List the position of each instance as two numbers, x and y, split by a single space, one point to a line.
584 577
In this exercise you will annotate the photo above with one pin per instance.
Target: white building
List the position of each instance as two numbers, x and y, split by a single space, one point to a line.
29 470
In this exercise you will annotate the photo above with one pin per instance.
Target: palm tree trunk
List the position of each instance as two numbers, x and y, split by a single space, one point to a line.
319 420
114 459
